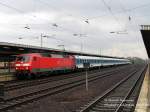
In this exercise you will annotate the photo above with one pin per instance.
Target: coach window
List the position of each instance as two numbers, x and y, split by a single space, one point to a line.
82 60
78 61
96 61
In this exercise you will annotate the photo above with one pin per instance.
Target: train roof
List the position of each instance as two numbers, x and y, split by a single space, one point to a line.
92 57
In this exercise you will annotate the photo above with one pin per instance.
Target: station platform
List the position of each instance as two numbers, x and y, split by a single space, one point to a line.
6 77
144 96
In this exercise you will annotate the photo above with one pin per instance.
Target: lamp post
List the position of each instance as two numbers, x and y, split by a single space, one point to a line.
20 39
46 36
63 46
42 39
100 53
80 36
119 32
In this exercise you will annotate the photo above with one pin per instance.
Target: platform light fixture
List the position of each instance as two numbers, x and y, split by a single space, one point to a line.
47 36
80 36
63 46
119 32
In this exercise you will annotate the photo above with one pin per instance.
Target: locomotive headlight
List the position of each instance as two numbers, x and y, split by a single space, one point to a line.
17 65
27 64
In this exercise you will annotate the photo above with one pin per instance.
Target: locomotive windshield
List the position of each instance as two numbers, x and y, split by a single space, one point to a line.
23 58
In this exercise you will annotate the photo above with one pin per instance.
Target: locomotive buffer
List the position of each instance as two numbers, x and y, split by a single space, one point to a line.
86 66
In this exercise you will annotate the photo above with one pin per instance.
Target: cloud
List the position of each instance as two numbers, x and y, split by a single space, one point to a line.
70 17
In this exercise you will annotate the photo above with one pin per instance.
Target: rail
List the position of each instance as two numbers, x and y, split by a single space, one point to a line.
30 97
91 105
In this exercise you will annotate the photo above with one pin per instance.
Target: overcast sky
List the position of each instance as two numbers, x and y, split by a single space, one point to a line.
76 23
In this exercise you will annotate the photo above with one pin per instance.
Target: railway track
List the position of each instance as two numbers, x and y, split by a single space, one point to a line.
63 74
33 96
121 97
28 83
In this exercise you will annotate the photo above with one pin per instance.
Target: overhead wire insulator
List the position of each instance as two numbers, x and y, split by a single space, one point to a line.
87 21
55 25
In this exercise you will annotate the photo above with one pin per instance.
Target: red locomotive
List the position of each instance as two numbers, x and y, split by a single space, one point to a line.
33 64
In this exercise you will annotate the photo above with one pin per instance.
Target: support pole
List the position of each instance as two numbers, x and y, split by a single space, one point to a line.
87 80
41 40
86 65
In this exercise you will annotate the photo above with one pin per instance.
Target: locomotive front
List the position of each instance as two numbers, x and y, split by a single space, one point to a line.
23 65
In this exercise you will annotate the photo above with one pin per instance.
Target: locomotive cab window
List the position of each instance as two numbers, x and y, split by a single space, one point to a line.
23 58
